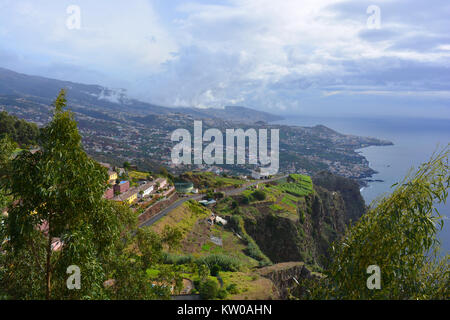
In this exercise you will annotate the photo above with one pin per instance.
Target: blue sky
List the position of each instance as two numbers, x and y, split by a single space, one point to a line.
312 57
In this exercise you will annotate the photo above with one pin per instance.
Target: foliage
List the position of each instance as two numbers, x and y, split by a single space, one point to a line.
232 288
7 147
61 197
226 263
259 195
170 258
400 236
209 289
215 269
253 249
20 131
297 185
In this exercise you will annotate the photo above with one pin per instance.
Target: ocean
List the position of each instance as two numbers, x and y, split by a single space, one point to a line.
414 140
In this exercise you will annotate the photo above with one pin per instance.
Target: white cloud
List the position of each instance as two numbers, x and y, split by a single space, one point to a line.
275 55
114 36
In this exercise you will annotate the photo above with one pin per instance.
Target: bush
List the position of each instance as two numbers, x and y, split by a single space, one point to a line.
232 288
225 263
209 289
177 259
222 294
196 284
259 195
245 200
215 269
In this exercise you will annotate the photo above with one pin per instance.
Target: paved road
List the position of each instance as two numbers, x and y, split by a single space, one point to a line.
179 202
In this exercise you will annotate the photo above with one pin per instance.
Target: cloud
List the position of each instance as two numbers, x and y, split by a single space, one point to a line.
115 37
282 56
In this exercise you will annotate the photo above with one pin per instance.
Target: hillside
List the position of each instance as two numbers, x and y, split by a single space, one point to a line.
116 129
283 227
19 130
43 90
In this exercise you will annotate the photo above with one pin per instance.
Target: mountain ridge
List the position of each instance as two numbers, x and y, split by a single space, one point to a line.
24 85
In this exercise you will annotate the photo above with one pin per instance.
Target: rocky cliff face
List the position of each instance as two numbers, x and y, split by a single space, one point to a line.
286 277
322 218
349 191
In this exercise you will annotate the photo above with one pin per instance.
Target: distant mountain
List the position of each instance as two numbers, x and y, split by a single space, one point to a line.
44 90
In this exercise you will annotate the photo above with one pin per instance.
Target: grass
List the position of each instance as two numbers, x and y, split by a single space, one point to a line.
138 175
249 286
212 180
300 186
184 217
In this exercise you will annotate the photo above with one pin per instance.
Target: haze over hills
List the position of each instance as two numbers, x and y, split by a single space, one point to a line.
116 128
45 90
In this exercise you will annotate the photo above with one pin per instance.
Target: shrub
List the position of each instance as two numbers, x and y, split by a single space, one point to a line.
215 269
259 195
232 288
245 200
222 294
225 263
177 259
209 289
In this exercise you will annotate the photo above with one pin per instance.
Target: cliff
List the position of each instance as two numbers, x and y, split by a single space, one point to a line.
305 235
286 277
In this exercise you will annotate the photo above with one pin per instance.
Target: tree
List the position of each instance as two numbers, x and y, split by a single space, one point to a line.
399 235
7 147
209 289
20 131
126 165
59 192
259 195
215 269
163 171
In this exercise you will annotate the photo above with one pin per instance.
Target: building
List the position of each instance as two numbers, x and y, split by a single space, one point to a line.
145 190
128 197
109 193
162 183
112 176
121 187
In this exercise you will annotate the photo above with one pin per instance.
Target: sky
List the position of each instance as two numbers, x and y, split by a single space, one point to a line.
352 58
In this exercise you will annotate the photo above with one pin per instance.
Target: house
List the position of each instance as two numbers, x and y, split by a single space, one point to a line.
121 187
162 183
145 190
109 193
112 176
128 197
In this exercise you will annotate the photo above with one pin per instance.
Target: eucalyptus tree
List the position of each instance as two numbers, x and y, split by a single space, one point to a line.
58 193
396 242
